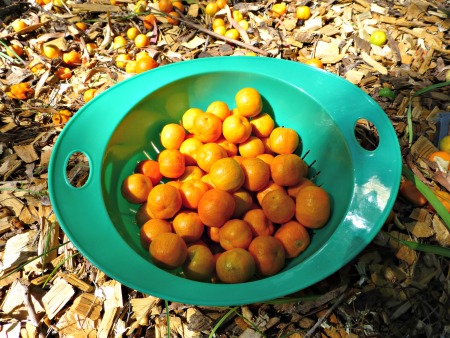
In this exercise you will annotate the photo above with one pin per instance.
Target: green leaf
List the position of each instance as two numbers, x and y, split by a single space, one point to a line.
429 195
410 125
386 92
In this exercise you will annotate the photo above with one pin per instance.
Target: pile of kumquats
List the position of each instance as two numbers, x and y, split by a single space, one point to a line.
228 199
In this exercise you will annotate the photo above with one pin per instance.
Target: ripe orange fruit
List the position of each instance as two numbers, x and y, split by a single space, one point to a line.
278 206
207 127
132 32
256 173
119 42
89 94
226 174
267 158
136 188
237 15
14 49
188 226
441 154
171 163
312 207
409 191
235 266
303 12
259 223
172 135
130 67
244 24
271 185
149 21
216 207
221 3
18 25
230 148
248 102
209 153
218 22
63 73
288 169
21 91
283 140
279 9
141 40
219 108
142 215
91 47
232 33
235 233
189 149
173 18
165 6
191 172
164 201
244 202
199 264
122 60
315 62
51 51
262 125
294 237
178 5
191 192
72 58
168 251
252 147
144 64
61 117
152 228
236 128
188 117
293 190
221 30
269 255
443 197
211 8
213 234
149 168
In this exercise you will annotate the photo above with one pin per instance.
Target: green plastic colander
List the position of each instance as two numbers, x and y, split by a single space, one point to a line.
117 127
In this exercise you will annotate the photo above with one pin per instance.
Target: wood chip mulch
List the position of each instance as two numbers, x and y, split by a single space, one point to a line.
388 290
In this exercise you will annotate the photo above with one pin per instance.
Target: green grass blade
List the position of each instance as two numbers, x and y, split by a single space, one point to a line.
12 51
429 195
166 304
253 325
220 322
434 249
430 88
20 267
57 267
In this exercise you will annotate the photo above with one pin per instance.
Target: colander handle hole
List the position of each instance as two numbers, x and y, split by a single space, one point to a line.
366 134
77 169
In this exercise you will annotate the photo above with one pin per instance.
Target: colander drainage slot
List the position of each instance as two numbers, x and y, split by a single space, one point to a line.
77 169
366 134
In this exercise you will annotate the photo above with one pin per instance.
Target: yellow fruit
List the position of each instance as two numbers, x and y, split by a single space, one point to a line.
444 144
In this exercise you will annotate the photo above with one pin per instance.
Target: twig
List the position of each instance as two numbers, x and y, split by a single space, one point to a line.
182 18
325 316
30 308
